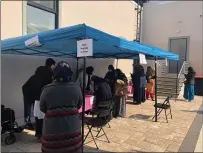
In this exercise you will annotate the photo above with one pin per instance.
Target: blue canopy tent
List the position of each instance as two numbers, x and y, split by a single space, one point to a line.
63 43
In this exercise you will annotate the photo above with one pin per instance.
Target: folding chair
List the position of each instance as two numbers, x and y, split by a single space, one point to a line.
101 105
98 122
164 106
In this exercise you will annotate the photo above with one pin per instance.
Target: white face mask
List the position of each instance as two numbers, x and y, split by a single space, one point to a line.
52 67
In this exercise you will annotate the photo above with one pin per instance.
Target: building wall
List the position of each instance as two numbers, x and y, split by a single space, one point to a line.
114 17
164 20
11 19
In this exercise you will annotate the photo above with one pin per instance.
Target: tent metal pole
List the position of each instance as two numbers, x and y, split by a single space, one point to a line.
77 67
177 84
117 63
155 89
83 105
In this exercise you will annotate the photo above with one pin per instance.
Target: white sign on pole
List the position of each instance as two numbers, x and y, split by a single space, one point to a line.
142 59
84 48
32 42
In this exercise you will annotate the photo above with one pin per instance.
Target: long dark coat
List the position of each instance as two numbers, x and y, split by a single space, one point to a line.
62 127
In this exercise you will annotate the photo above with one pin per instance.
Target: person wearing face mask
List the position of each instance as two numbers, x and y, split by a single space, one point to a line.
110 77
89 84
32 88
45 77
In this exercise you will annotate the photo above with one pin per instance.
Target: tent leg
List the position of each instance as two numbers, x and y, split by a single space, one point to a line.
177 84
117 63
77 67
83 105
155 89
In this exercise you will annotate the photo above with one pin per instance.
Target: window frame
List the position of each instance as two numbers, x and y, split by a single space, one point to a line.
55 11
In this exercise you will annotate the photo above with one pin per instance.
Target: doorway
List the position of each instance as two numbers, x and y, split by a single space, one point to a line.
178 46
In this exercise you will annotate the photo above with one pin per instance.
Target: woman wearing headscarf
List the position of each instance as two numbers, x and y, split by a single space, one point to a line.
139 83
60 101
102 90
121 89
150 76
110 77
189 85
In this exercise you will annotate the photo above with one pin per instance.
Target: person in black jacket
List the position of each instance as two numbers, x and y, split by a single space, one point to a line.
102 90
189 85
120 98
30 91
33 87
110 77
139 84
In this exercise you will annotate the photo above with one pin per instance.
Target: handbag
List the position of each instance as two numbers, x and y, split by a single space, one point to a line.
121 88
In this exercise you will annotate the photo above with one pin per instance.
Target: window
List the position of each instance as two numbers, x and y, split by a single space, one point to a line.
42 15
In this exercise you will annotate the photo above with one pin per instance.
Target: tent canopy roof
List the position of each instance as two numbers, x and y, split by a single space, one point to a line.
63 43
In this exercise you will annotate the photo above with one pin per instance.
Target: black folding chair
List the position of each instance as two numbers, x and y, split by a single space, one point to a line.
98 122
102 105
164 106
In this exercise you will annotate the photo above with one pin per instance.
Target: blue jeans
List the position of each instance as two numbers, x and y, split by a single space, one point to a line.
189 92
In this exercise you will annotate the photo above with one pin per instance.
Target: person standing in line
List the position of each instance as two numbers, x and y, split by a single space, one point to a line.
31 89
139 84
189 85
121 89
150 75
110 77
89 86
45 77
60 101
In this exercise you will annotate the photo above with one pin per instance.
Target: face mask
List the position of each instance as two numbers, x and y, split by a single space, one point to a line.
52 67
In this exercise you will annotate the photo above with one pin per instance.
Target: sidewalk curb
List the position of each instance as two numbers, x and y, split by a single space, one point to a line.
189 143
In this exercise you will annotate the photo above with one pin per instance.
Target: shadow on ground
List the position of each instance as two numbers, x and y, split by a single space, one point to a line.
195 111
140 117
91 149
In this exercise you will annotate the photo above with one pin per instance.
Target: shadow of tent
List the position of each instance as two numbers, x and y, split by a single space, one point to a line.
91 149
140 116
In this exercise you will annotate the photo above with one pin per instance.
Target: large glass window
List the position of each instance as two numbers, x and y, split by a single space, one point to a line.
49 4
41 16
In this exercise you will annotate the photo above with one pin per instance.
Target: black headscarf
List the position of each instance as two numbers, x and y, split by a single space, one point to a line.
141 69
102 90
120 75
150 71
63 72
110 67
89 70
